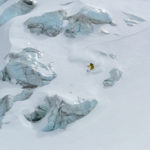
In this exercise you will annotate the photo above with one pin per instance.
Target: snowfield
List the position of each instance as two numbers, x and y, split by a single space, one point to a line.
121 119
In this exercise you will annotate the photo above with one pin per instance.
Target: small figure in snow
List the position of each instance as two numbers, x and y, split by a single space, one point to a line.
91 67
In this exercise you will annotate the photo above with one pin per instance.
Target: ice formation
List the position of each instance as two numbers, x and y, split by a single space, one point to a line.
60 113
3 1
50 24
115 75
26 69
83 21
19 8
7 101
5 104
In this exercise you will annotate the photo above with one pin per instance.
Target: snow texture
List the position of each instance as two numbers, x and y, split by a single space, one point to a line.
132 19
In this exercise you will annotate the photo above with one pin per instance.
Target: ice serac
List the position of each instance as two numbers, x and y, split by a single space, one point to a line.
20 8
25 94
5 104
7 101
50 24
115 75
27 70
60 113
2 2
83 22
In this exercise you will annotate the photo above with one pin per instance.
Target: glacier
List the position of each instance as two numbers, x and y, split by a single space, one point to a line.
50 24
120 121
25 68
19 8
59 112
6 103
3 1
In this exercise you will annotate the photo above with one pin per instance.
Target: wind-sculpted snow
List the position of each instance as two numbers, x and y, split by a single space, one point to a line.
132 19
26 69
20 8
83 22
2 2
7 101
50 24
115 75
59 112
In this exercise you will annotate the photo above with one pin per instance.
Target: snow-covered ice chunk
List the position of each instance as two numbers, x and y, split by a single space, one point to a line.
5 104
26 69
50 24
20 8
78 27
7 101
59 112
96 16
83 22
3 1
25 94
115 75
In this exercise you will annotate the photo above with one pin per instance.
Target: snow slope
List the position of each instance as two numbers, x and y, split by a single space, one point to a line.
121 121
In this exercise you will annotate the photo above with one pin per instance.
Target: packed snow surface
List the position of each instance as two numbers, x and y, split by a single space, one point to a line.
119 52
